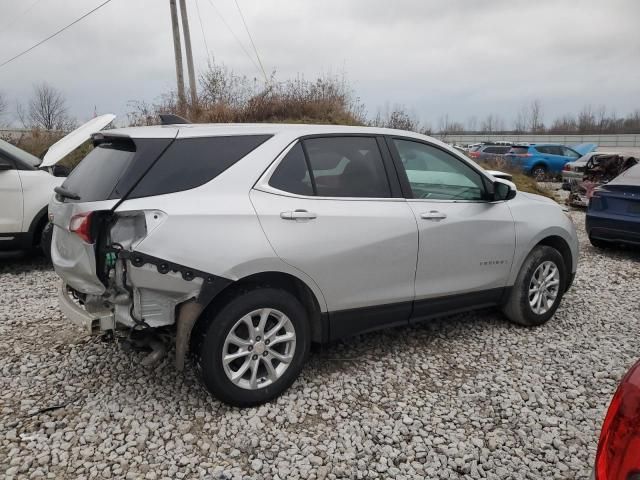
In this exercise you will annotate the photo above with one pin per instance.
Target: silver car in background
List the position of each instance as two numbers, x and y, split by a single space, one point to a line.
252 241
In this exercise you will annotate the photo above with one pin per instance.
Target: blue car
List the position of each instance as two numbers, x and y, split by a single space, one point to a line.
613 215
540 159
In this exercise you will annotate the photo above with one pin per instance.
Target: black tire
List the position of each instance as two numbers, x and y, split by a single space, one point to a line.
45 240
517 307
211 348
602 244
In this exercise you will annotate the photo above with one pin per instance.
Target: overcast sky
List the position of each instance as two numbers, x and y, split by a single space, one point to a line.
463 58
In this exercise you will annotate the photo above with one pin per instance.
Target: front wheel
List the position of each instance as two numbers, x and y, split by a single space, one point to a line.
45 240
255 347
538 288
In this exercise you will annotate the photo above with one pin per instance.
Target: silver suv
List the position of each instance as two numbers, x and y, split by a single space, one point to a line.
253 241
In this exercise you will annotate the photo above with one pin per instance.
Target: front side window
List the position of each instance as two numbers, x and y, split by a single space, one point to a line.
437 175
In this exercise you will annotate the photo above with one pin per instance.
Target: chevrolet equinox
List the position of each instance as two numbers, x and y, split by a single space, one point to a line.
253 241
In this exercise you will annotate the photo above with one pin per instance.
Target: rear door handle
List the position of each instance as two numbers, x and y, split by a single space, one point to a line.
298 215
433 215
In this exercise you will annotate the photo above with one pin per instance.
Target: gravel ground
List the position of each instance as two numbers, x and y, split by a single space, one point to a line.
469 396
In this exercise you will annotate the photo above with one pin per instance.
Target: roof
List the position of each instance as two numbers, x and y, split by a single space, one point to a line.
208 129
628 177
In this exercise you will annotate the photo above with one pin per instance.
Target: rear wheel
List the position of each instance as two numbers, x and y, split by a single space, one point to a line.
539 172
255 347
538 288
599 243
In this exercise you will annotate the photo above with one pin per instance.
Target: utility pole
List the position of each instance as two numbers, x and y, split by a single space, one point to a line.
177 50
187 46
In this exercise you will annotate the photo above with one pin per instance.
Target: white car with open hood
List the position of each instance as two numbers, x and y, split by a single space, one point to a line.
252 241
27 183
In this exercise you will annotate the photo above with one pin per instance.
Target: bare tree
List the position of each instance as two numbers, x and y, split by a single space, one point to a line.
586 120
520 123
601 118
492 123
529 118
536 123
472 123
47 109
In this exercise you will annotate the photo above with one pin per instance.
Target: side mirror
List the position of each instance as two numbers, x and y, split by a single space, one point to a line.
60 171
6 164
503 191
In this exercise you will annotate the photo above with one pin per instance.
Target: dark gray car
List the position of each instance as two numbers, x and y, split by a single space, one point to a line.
488 151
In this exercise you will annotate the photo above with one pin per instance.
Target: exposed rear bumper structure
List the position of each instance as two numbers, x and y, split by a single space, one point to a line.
90 323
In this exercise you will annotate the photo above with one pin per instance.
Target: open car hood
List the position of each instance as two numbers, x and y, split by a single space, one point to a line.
584 148
70 142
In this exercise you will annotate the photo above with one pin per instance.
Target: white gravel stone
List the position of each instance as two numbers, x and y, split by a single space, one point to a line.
468 396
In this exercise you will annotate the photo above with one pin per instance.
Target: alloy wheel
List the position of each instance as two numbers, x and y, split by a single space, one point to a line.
544 287
259 348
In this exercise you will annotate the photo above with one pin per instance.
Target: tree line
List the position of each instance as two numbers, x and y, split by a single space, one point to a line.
530 119
225 96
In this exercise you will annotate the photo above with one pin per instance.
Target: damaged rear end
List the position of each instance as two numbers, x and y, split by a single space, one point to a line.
108 285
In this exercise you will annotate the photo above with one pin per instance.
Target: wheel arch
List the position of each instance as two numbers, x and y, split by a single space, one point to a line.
274 279
38 222
561 245
540 163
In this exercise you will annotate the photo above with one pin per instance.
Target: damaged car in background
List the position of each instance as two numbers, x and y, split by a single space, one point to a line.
581 178
252 241
613 214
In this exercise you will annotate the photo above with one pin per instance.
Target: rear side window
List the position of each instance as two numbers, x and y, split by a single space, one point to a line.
191 162
292 174
519 150
347 167
340 167
496 150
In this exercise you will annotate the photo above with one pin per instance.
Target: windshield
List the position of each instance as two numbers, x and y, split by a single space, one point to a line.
19 154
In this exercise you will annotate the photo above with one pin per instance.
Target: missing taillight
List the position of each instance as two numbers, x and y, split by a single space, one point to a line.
80 224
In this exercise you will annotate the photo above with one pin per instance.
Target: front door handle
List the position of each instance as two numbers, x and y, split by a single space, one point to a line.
433 215
298 215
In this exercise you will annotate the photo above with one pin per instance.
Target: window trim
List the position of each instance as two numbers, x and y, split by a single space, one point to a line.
404 180
387 161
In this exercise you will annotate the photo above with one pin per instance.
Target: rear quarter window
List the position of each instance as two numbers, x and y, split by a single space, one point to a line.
191 162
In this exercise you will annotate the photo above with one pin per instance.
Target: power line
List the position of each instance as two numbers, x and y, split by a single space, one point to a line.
54 34
251 40
204 37
20 15
234 34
